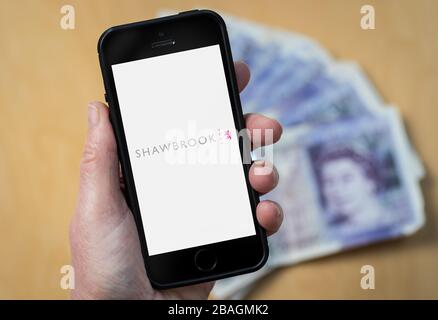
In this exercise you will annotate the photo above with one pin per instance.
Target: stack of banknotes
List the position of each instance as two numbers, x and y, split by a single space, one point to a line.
348 173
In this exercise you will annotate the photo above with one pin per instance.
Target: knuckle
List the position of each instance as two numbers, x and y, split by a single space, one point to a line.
90 154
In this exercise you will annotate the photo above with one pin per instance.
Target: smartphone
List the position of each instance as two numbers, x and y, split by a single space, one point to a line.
175 109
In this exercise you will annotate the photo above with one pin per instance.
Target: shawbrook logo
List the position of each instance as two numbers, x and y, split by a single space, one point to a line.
212 146
220 136
206 146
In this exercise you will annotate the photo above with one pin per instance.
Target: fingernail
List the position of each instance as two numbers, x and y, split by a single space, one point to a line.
259 163
261 168
93 115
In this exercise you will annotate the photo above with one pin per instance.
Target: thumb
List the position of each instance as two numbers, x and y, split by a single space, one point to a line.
99 189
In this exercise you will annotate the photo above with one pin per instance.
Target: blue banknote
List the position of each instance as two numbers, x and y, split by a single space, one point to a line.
280 64
347 184
294 80
343 184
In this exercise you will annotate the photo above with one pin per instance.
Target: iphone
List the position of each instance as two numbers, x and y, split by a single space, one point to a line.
174 106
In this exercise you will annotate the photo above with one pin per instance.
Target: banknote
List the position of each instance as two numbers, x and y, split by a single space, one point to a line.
342 185
280 63
294 79
347 184
341 92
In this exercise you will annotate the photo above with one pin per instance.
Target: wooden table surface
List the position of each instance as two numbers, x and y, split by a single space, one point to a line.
47 76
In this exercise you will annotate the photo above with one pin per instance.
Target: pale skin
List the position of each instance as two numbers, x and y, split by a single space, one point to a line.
104 242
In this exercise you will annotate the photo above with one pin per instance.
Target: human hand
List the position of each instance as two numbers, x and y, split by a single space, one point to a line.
105 246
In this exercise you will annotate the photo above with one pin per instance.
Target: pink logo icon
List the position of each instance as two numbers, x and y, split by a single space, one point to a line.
227 135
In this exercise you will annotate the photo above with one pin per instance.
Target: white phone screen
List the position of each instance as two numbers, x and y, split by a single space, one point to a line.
183 148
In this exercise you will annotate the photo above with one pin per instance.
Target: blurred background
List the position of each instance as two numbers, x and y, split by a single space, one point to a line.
48 75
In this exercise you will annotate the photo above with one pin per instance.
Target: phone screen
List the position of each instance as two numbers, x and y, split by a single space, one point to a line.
184 150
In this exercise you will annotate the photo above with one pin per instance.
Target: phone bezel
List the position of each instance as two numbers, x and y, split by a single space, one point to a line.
133 42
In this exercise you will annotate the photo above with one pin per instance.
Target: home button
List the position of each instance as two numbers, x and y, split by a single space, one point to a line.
205 260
